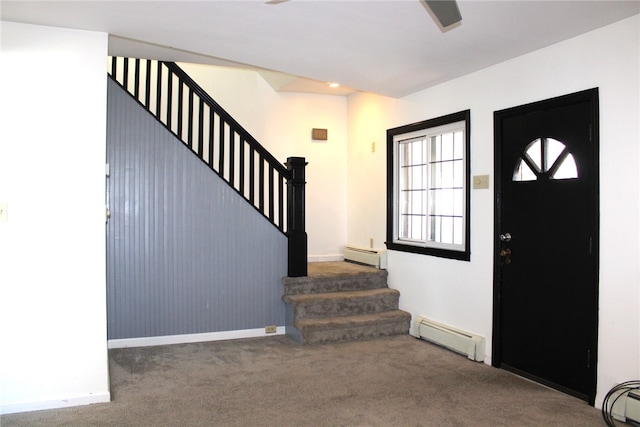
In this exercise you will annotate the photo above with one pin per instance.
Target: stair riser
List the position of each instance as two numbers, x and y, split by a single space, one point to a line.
346 307
315 286
354 333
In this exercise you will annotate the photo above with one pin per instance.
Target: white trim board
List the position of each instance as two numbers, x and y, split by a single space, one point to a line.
325 258
67 402
192 338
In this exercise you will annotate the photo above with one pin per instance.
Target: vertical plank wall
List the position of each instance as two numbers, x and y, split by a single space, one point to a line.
185 254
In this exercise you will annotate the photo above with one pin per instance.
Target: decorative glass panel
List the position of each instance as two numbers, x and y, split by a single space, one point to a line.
523 172
544 154
552 152
567 169
534 151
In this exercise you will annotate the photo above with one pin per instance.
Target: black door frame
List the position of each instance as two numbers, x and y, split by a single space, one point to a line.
591 96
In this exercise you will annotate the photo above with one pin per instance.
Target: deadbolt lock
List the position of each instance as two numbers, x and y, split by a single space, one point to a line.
506 256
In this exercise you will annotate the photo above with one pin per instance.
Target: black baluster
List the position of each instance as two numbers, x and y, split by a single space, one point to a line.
136 87
252 175
169 98
200 128
159 91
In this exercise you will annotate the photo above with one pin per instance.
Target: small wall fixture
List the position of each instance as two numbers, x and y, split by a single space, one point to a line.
319 134
333 84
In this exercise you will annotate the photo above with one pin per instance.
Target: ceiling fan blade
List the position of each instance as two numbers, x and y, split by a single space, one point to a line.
445 11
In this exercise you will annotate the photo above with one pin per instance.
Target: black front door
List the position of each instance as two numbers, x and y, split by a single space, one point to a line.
546 247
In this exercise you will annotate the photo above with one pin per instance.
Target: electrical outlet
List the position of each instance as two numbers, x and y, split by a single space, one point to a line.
373 147
4 215
271 329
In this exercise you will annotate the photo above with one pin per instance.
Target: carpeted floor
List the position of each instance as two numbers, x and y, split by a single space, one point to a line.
396 381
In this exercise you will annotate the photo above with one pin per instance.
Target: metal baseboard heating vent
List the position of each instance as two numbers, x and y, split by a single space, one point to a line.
370 257
456 340
626 408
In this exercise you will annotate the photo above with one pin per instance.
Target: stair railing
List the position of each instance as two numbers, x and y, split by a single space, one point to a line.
216 138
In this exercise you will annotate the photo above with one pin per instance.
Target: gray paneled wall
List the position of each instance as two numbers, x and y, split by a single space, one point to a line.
185 254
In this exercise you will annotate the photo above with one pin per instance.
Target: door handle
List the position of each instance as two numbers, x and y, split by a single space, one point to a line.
506 237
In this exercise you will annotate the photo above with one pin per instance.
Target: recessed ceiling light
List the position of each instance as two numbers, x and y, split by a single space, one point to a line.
333 84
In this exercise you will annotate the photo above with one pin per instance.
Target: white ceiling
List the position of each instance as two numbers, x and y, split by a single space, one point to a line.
393 48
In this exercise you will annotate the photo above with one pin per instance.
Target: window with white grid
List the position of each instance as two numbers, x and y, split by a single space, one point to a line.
428 187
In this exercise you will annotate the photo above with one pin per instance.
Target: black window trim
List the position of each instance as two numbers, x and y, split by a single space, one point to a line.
464 255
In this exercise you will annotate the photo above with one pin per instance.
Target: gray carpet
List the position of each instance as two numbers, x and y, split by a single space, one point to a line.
395 381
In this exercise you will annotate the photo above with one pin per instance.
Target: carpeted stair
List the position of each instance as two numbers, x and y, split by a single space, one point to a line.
341 301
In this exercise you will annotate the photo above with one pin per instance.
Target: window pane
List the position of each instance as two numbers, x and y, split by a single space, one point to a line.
435 180
458 150
446 230
403 202
417 177
553 150
403 176
458 202
458 174
417 152
447 146
412 227
417 203
567 169
458 228
436 152
434 228
447 202
534 151
412 177
433 202
523 172
403 150
416 231
447 175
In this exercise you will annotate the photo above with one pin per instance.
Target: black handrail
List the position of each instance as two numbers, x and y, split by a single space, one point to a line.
231 152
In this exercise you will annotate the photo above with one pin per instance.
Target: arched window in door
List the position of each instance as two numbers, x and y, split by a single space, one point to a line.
545 158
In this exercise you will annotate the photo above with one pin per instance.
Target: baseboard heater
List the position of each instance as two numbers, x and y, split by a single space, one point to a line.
627 408
372 257
459 341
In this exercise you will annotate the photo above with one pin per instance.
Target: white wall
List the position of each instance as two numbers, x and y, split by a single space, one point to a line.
460 293
369 117
282 122
52 248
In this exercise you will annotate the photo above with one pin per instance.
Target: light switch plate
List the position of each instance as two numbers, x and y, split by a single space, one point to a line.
480 181
4 211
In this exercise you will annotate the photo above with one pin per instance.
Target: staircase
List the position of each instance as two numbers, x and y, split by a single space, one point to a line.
341 301
215 137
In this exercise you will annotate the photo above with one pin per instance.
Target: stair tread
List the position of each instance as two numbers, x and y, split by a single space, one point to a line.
302 298
337 269
352 320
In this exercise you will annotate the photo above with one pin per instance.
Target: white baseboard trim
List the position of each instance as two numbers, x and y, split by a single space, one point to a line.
325 258
192 338
13 408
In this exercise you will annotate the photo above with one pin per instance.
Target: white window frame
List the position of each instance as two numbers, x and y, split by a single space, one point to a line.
424 131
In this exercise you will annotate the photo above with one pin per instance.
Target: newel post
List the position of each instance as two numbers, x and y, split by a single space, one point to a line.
295 217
